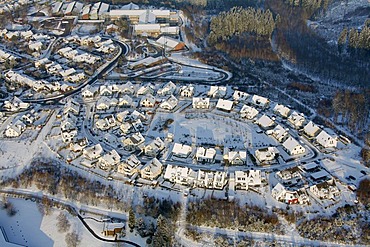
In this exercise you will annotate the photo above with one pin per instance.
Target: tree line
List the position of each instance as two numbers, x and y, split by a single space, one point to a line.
238 21
355 39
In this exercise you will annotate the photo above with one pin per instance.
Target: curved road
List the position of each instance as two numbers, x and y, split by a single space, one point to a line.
106 67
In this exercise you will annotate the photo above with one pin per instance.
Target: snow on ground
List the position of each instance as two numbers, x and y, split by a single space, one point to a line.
346 163
24 227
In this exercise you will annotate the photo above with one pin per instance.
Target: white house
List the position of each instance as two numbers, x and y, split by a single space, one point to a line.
15 129
105 90
151 170
259 101
240 96
125 101
248 112
134 142
93 152
245 179
281 110
211 179
311 129
130 166
236 158
279 133
325 190
88 92
200 103
265 121
109 160
292 146
170 103
147 101
224 105
205 155
167 89
181 150
177 174
326 140
103 103
217 92
154 147
289 176
296 119
282 194
145 89
78 145
187 91
71 106
266 154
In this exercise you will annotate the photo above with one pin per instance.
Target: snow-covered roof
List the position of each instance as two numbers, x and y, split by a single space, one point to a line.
265 121
311 129
226 105
181 149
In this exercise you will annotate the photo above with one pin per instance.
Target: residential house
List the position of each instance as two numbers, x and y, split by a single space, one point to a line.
103 103
88 92
170 103
147 100
127 88
224 105
326 140
296 119
265 122
113 229
129 166
240 96
217 92
71 106
154 147
15 130
289 176
167 89
125 101
146 89
93 152
325 190
211 179
282 194
311 129
109 160
134 142
259 101
281 110
121 116
126 128
248 112
249 178
105 90
178 175
78 144
200 103
292 146
235 158
151 170
266 154
279 133
187 91
181 150
205 155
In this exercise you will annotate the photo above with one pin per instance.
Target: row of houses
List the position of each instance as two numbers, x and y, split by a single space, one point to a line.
102 10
